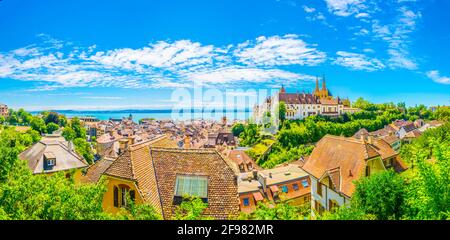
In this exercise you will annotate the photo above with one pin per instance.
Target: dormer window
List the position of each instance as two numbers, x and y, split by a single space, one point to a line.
49 160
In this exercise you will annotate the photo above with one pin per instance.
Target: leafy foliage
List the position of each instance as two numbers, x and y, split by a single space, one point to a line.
51 127
382 195
282 111
191 208
279 211
250 135
237 129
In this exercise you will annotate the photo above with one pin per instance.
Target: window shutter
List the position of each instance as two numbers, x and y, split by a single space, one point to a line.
132 195
116 197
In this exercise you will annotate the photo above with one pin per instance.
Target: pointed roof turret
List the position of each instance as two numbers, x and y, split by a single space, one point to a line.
324 87
282 90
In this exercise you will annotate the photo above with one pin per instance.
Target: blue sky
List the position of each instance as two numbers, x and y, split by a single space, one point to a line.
134 54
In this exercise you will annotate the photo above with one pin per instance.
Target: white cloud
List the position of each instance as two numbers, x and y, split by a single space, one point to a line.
104 97
362 15
358 61
362 32
161 54
276 50
435 76
308 9
345 8
251 75
397 36
162 64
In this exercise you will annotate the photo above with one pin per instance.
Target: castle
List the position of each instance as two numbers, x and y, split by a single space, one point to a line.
302 105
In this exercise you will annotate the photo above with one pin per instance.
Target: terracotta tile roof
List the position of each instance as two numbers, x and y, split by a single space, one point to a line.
349 155
335 176
95 171
298 98
327 101
154 171
240 157
390 139
361 132
222 183
122 167
413 134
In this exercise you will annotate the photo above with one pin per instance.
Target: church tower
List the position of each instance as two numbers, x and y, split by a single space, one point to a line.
317 90
324 91
282 90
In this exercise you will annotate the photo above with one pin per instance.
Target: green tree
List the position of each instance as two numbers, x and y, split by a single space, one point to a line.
282 111
442 113
382 195
347 213
83 148
51 127
51 117
278 211
429 192
38 124
69 134
191 208
9 149
237 129
250 135
76 125
62 120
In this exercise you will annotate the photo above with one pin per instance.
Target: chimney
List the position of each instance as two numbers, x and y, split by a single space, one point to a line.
131 140
69 146
123 145
187 142
350 173
255 174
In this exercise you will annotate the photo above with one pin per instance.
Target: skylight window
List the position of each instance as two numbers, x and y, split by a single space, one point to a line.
195 186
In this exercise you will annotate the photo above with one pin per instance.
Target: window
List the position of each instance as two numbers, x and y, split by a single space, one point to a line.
332 205
295 186
51 162
318 207
246 202
284 189
116 196
319 188
249 166
367 171
305 183
191 186
120 195
389 162
123 196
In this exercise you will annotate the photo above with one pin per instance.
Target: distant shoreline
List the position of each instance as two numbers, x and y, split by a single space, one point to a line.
139 111
159 114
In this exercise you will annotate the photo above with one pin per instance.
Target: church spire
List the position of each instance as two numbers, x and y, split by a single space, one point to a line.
282 90
317 85
324 87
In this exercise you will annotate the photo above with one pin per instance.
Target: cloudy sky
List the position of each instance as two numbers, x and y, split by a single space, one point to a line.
134 54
